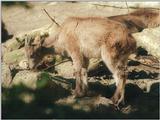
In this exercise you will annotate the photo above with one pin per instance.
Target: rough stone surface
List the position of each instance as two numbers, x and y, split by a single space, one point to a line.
65 69
135 4
150 40
6 75
27 78
14 57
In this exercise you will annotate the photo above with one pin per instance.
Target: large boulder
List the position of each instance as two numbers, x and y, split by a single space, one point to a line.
14 57
27 78
150 40
36 80
18 41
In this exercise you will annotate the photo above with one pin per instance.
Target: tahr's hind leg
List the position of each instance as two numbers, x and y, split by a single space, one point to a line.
117 65
120 74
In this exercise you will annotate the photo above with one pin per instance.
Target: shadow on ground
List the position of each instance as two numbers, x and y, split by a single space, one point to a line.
5 34
22 102
103 71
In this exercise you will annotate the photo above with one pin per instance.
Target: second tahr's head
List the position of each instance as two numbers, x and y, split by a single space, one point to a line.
151 18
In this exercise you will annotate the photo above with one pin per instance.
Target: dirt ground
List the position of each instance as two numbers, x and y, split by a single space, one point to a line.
54 101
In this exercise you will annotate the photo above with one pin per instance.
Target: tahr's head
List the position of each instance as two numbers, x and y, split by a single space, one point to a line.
151 18
33 48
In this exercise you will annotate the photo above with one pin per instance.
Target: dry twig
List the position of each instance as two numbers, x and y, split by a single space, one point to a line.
51 18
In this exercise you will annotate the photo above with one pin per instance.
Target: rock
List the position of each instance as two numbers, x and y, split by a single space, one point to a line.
130 4
24 64
104 101
19 40
4 50
27 78
128 109
65 69
150 40
6 75
93 64
14 57
86 103
38 80
14 44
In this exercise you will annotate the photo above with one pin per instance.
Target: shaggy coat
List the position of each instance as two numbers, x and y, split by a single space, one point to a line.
94 37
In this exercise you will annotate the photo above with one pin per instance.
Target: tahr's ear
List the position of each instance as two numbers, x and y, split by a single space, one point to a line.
26 41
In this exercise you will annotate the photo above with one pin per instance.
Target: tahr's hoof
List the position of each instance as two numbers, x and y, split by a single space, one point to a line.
117 102
114 100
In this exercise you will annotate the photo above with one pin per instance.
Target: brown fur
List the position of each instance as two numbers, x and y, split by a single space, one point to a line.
93 37
139 19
